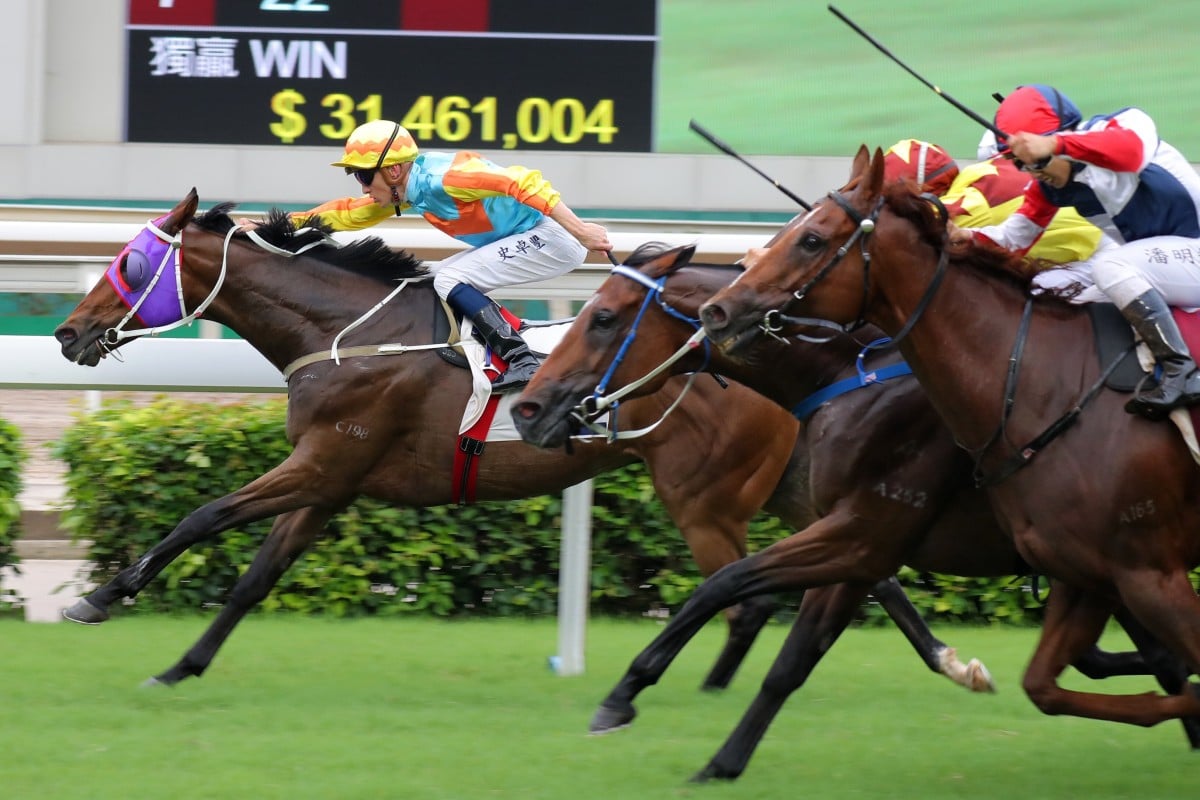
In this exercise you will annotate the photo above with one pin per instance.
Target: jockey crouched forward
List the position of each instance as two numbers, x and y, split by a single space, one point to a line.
518 228
1142 194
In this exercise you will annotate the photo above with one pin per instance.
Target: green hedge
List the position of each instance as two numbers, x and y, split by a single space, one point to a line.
134 472
12 456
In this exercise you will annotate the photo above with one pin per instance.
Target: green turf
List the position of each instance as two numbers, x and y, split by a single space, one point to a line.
789 78
301 708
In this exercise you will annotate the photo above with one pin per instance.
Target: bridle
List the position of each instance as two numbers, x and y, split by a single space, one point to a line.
601 401
1022 454
172 257
775 321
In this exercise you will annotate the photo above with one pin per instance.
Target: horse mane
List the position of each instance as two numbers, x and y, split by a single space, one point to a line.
370 257
1012 268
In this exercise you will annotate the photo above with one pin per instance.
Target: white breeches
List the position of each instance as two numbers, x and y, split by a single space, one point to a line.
544 251
1170 264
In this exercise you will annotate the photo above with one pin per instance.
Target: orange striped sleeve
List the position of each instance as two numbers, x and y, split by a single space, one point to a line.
348 213
473 178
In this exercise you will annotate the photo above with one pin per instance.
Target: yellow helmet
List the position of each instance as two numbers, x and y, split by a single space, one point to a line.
376 144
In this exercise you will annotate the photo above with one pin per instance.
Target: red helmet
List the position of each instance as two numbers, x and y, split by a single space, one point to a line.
1036 108
928 164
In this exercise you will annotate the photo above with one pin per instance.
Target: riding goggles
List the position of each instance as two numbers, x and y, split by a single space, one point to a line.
364 176
367 176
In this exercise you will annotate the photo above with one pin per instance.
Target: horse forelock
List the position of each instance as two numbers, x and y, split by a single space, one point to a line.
370 256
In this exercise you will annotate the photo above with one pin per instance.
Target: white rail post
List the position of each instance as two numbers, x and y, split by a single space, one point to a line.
574 579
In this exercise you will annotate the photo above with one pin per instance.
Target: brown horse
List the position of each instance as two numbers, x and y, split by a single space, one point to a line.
641 318
401 445
1105 503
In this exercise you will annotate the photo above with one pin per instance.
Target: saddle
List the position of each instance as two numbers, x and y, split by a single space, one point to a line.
447 327
1114 337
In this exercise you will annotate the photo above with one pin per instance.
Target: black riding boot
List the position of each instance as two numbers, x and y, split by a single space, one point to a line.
508 344
1179 384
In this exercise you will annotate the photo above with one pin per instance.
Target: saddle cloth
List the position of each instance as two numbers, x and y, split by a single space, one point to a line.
1187 420
541 340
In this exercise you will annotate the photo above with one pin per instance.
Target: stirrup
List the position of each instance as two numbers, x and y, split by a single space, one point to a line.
515 377
1158 407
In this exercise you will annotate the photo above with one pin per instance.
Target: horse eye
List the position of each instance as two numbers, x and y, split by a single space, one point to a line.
135 270
811 242
604 319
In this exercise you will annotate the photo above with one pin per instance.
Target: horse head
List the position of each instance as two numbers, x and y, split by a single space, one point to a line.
288 291
818 248
612 344
141 286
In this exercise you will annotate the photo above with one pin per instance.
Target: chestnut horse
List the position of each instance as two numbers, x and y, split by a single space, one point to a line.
1105 503
406 409
642 318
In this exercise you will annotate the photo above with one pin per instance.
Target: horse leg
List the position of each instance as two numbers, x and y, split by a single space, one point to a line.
712 509
824 614
933 651
1074 621
717 540
831 550
290 536
1171 673
285 488
745 621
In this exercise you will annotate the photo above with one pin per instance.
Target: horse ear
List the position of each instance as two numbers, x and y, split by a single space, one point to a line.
683 255
861 159
181 214
874 183
669 261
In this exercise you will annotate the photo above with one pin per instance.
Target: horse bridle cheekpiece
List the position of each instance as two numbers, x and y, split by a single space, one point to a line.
602 401
154 294
154 297
775 321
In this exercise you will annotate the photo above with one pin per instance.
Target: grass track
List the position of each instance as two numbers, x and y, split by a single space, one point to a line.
307 708
789 78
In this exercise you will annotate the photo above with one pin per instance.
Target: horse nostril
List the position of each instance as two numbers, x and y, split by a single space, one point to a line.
713 316
65 335
525 410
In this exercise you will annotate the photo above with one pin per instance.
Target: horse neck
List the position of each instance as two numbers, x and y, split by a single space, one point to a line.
961 345
290 307
785 371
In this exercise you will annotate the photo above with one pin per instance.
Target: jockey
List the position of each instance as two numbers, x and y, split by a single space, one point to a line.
929 165
986 193
518 228
1144 196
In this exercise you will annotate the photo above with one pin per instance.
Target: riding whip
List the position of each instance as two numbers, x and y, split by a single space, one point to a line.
724 148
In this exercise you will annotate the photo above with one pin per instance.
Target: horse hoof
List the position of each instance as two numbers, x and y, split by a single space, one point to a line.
978 677
608 719
713 772
85 613
152 682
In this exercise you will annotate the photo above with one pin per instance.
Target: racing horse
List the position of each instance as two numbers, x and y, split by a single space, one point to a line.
400 448
1105 503
877 510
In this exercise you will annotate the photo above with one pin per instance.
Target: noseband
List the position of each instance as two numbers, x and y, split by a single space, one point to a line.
600 400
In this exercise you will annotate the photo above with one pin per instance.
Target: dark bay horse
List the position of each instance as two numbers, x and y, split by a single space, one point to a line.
886 480
405 409
1105 503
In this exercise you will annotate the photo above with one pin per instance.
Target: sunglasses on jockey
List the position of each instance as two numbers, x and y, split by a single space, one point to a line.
367 176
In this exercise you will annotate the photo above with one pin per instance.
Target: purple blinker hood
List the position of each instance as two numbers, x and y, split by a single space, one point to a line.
149 284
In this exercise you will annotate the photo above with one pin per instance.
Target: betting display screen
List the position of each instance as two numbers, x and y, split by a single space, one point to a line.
458 74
